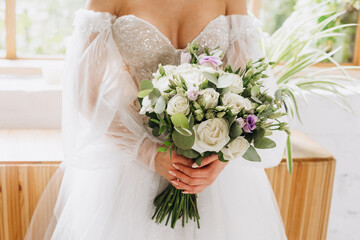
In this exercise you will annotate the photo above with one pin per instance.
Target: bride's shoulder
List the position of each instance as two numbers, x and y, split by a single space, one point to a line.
236 7
98 15
108 6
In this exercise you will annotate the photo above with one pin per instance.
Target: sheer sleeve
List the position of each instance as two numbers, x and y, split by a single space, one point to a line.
244 43
101 126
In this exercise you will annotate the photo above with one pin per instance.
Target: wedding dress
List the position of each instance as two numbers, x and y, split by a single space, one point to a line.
105 187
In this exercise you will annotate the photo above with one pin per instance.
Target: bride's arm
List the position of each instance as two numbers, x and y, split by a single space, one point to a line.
101 126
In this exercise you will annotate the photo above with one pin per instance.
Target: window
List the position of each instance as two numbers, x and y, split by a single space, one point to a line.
37 28
2 28
273 13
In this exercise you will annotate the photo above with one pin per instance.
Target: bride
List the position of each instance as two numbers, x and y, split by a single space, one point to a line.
105 187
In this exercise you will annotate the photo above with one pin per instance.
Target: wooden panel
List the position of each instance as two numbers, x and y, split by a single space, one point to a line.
304 197
21 186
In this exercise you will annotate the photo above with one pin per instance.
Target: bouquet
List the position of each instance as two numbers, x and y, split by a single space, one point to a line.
205 109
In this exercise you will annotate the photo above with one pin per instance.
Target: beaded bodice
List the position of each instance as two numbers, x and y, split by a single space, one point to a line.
143 46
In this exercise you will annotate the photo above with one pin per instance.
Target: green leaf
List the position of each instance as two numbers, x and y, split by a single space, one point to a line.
252 155
155 120
221 157
155 131
146 84
183 131
167 143
199 160
230 119
160 105
289 159
191 120
264 143
161 70
190 153
211 77
183 142
278 95
162 129
235 130
162 149
255 91
144 93
154 95
180 120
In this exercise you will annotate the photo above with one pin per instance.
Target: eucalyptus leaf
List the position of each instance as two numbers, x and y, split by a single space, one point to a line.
160 105
264 143
154 95
146 84
190 153
144 93
183 131
180 120
183 142
252 155
235 130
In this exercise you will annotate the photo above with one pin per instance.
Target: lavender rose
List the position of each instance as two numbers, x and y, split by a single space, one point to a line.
250 123
210 60
192 93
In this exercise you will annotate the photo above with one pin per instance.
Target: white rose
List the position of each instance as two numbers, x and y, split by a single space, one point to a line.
236 148
203 68
162 83
178 104
211 135
169 69
248 104
209 98
192 77
237 85
233 100
146 105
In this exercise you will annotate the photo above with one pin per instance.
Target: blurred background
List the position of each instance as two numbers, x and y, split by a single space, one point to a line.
32 47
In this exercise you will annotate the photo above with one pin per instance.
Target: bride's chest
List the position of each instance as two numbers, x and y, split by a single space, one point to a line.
143 46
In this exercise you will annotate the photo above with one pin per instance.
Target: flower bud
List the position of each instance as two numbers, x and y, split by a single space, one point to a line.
199 115
210 114
220 114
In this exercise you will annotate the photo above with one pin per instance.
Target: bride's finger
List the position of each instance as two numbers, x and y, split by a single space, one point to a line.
182 160
188 180
180 185
206 161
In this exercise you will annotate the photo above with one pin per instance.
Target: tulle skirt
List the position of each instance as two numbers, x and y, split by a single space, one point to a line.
117 203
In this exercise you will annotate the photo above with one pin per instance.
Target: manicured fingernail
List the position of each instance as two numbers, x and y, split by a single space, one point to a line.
195 165
186 193
172 173
174 182
175 166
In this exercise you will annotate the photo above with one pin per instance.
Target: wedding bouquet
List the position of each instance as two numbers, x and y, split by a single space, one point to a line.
204 109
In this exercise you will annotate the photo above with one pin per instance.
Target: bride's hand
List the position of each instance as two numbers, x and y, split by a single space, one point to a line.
164 164
196 179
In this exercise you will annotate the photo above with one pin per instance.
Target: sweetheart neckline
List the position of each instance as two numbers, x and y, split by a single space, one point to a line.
163 35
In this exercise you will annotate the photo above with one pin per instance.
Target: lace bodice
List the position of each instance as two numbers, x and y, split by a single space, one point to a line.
143 46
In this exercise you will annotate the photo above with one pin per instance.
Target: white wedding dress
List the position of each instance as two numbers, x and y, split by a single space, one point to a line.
106 185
